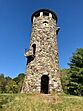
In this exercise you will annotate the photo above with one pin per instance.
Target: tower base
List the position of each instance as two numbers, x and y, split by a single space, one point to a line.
45 85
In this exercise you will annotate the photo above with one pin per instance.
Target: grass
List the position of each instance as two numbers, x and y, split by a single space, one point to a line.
40 102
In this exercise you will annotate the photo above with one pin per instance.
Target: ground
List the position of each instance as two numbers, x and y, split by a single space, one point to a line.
40 102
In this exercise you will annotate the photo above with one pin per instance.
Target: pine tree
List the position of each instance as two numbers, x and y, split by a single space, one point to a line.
75 84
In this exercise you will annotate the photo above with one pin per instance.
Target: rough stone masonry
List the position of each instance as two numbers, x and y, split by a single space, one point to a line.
42 68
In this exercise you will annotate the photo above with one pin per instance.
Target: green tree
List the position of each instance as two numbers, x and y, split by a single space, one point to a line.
2 83
76 60
11 87
19 81
75 76
65 79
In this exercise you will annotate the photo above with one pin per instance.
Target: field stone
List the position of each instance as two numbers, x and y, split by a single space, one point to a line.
45 61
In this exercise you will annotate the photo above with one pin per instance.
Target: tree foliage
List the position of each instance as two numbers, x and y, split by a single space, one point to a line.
19 81
73 81
65 79
2 83
77 59
9 85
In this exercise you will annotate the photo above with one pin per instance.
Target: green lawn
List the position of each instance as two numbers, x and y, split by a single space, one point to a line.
40 102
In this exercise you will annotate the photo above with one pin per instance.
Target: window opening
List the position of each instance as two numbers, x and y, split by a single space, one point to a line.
45 23
34 48
29 59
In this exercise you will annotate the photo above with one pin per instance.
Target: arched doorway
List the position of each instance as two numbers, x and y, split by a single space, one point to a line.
45 84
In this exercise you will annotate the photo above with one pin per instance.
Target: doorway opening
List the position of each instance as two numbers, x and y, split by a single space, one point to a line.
45 84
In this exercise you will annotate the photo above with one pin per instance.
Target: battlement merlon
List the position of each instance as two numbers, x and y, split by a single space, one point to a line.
44 12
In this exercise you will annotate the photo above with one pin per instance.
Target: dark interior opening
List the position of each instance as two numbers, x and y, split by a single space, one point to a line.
37 14
45 22
34 48
30 58
53 17
45 13
57 31
45 84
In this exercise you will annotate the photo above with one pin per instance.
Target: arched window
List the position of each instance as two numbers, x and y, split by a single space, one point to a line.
45 23
34 48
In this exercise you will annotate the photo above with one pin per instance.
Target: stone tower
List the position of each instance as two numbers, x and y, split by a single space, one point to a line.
42 68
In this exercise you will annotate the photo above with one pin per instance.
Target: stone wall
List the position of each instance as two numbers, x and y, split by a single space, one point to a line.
45 59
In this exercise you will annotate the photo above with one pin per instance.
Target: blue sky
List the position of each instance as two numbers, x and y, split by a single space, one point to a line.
15 30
